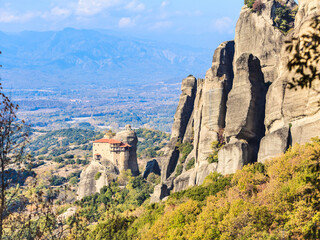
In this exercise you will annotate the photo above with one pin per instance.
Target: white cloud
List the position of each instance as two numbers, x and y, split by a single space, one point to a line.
56 11
126 22
222 24
7 17
92 7
135 6
164 3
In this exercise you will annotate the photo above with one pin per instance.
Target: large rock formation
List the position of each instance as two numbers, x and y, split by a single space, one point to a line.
100 171
129 136
255 33
245 115
180 125
244 100
285 107
211 110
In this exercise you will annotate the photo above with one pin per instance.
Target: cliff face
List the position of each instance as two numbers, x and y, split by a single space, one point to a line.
98 173
244 101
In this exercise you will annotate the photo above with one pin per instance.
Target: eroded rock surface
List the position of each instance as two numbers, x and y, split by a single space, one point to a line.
211 111
274 144
181 121
245 101
233 157
88 184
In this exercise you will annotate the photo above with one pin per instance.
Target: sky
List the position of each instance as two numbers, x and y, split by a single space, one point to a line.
200 23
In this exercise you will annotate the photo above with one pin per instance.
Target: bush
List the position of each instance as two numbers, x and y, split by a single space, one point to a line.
215 146
57 180
284 19
179 170
73 181
153 178
69 156
190 164
213 157
58 160
213 184
184 149
97 176
249 3
257 6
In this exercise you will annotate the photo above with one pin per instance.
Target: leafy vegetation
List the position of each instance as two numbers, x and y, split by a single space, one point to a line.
249 3
285 17
190 164
62 138
97 176
213 184
116 199
215 146
276 200
150 142
184 150
179 170
57 180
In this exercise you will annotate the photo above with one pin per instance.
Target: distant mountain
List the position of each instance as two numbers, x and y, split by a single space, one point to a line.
87 58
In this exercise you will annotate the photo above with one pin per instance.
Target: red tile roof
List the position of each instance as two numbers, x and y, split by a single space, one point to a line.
97 154
110 141
123 145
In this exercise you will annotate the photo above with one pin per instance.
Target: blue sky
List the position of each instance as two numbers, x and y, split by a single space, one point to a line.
198 23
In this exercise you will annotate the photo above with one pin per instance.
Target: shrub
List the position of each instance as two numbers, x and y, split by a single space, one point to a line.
179 170
58 160
190 164
215 146
249 3
73 181
213 157
97 176
57 180
284 19
184 149
153 178
69 156
257 6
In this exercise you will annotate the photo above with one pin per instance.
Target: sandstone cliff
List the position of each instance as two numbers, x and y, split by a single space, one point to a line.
244 101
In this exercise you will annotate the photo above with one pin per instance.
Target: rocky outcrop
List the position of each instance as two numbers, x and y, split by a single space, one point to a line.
89 183
274 144
256 34
152 167
211 110
245 115
181 121
244 101
129 136
99 172
286 107
233 157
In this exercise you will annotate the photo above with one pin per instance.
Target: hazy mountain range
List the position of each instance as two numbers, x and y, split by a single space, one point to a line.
88 58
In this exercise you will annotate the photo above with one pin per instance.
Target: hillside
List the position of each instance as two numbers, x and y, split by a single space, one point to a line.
275 200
